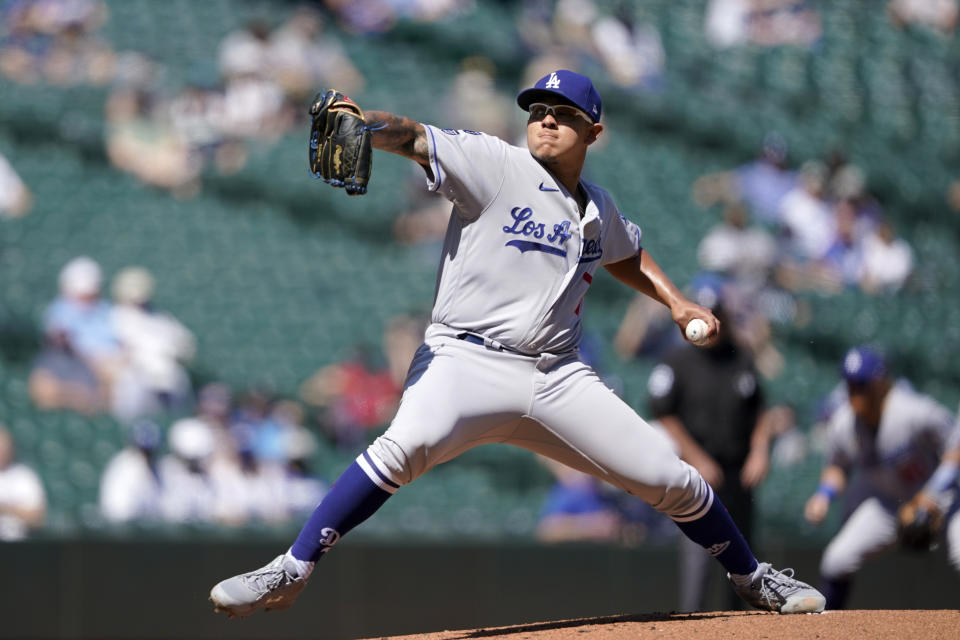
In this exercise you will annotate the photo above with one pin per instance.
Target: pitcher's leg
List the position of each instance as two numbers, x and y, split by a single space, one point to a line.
605 437
449 405
615 444
454 400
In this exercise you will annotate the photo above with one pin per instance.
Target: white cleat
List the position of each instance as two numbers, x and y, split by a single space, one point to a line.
273 588
772 590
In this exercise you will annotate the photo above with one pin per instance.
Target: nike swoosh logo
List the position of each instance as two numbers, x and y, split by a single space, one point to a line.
543 188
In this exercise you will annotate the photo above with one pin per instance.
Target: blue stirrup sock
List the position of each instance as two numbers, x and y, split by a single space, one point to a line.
353 498
716 532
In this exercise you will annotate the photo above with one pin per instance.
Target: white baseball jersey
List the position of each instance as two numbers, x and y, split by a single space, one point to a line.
518 259
900 455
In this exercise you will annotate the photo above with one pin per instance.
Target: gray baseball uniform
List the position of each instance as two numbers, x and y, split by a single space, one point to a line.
500 360
896 460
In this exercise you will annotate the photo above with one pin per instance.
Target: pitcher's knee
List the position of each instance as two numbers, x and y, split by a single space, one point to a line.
683 494
389 459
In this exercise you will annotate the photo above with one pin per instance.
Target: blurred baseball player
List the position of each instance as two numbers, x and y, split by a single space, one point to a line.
499 362
892 439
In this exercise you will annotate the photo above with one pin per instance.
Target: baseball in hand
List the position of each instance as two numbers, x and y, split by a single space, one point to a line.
697 331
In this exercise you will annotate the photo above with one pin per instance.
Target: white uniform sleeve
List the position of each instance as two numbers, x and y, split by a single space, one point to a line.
841 438
939 423
468 168
953 441
622 240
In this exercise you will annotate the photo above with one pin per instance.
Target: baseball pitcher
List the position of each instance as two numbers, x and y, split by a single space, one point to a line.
499 363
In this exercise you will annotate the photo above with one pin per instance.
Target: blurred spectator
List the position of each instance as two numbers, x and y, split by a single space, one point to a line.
251 421
130 486
631 50
15 197
248 487
577 509
647 330
363 16
936 15
762 22
215 409
733 247
254 107
189 494
474 101
887 260
848 186
426 221
790 446
78 57
761 184
55 40
195 117
303 489
155 347
356 396
244 52
23 501
806 217
273 481
304 57
81 355
361 393
572 20
143 144
55 16
401 339
842 264
253 102
534 26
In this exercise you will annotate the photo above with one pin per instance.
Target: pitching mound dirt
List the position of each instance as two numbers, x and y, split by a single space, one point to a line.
845 625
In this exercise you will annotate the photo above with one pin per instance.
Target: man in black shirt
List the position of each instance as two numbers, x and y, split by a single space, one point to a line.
710 402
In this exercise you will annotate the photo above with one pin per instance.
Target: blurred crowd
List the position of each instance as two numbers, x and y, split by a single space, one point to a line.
782 232
212 455
265 75
233 461
164 132
121 355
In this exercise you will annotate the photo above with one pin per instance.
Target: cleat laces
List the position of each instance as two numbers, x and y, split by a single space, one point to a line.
776 585
266 579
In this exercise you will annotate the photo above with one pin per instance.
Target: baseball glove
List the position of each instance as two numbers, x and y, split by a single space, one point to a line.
919 523
340 145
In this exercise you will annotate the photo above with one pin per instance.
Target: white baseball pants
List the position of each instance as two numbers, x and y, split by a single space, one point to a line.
459 395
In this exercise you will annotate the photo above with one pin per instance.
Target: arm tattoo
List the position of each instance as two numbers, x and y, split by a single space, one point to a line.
399 135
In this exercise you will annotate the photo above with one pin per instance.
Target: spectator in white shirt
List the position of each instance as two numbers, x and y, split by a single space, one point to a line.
23 501
130 486
155 346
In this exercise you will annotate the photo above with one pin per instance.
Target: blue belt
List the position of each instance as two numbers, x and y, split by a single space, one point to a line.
475 339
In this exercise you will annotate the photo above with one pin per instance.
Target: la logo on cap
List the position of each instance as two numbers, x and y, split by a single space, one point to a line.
553 82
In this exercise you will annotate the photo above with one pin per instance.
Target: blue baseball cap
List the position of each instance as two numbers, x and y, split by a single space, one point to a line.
574 88
863 364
